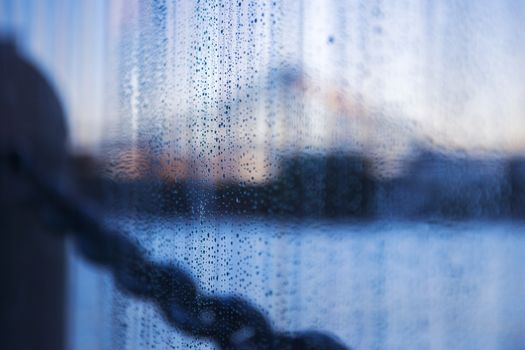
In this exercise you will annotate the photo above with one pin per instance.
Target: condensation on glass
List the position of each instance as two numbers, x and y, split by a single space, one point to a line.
354 167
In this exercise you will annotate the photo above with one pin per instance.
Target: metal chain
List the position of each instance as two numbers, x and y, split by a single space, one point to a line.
230 322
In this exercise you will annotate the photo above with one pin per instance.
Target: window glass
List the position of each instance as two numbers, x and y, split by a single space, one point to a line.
352 167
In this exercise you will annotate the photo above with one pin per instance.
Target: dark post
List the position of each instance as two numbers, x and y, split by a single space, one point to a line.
32 288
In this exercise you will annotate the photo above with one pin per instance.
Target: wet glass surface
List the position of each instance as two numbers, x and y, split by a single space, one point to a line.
355 167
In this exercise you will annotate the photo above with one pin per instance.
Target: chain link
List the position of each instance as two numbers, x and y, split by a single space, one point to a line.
230 322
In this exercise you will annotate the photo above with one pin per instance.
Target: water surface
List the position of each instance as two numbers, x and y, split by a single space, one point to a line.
381 285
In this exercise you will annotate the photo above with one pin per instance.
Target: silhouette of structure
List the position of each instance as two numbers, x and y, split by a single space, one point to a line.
32 292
